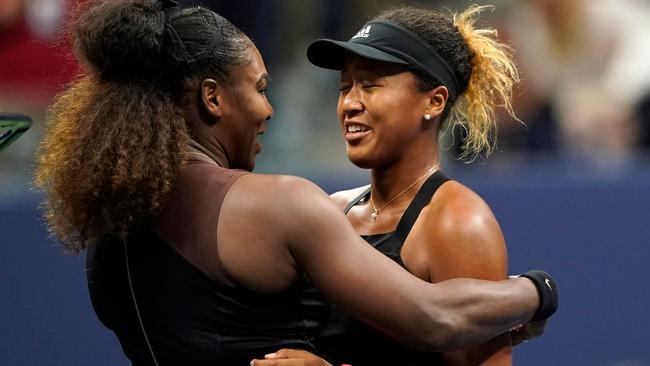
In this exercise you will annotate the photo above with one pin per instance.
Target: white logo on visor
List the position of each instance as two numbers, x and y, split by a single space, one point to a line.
364 32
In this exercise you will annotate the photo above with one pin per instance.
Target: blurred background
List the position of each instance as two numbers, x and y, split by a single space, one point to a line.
571 187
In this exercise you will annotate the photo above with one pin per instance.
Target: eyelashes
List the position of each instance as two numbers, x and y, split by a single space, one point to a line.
343 88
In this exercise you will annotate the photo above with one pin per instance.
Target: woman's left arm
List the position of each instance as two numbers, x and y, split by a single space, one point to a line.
456 236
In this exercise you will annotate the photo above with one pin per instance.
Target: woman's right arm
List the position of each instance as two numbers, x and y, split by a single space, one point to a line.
272 227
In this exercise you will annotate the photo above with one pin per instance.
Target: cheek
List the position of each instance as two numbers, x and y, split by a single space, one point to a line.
260 107
403 113
339 108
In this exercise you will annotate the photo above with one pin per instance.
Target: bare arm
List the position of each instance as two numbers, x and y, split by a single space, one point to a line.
456 236
271 227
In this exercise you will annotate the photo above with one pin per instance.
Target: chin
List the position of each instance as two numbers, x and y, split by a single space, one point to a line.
362 155
251 164
361 161
243 165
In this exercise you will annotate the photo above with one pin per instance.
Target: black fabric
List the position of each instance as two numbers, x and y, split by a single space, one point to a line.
189 318
385 41
548 294
347 340
168 3
421 199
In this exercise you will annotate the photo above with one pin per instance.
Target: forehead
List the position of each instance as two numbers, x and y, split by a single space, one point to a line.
252 69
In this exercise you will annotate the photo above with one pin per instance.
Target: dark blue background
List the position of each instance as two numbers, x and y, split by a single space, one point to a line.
590 230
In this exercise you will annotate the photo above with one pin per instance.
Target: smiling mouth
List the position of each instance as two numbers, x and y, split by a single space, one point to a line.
258 144
355 127
356 131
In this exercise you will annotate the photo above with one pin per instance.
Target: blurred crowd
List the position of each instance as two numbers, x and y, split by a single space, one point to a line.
584 94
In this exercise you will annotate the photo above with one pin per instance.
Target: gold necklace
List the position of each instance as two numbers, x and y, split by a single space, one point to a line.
375 210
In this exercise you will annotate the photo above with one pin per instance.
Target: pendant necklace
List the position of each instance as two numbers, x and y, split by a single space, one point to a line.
375 210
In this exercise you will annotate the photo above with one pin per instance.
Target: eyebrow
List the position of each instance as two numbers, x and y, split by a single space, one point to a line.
264 78
362 68
376 71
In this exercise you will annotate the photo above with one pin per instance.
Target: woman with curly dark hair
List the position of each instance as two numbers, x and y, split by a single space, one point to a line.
193 259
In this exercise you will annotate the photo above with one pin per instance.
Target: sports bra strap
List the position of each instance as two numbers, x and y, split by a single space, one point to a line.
422 198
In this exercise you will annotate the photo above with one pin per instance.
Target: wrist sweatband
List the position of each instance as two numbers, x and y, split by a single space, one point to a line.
548 295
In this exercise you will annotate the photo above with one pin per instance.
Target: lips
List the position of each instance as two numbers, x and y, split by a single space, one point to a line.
355 131
258 145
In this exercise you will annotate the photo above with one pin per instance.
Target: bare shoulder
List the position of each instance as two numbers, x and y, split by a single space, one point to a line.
277 188
342 198
277 197
457 235
465 240
260 219
457 209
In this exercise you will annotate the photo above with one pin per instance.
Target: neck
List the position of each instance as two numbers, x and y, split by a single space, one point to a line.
387 182
212 149
203 139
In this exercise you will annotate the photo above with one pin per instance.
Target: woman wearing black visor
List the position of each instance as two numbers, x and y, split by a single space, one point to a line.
192 259
406 76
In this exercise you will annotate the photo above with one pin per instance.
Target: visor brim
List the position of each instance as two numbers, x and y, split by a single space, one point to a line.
330 54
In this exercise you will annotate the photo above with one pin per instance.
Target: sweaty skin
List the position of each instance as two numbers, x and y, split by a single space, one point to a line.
381 111
456 234
273 227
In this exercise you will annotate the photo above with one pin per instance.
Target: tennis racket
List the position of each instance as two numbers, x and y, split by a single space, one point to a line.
12 125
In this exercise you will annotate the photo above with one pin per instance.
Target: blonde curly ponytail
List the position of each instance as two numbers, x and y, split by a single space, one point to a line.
482 65
493 77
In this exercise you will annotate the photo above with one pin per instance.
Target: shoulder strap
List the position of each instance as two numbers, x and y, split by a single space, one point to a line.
422 198
356 200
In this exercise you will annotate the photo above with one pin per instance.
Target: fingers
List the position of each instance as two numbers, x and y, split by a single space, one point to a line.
289 353
534 329
290 357
528 331
290 362
516 337
279 362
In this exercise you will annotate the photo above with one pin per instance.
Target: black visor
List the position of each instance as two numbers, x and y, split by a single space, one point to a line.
384 41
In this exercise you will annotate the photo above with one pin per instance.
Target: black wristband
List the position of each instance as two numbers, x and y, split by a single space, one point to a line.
548 295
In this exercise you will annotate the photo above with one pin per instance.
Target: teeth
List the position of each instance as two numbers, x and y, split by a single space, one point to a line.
356 128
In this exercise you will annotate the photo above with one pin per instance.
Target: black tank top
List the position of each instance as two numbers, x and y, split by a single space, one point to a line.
347 340
189 318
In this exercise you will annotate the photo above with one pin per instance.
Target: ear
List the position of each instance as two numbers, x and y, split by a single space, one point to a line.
211 96
437 101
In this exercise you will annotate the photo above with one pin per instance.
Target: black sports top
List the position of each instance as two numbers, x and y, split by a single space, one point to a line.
189 317
347 340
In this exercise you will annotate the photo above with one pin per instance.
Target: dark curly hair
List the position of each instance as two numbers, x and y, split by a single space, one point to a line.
483 66
113 144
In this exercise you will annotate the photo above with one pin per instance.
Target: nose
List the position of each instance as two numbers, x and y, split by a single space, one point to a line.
352 102
269 111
